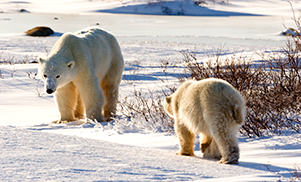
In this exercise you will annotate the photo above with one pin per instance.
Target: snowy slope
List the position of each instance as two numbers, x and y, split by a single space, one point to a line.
33 148
34 155
233 8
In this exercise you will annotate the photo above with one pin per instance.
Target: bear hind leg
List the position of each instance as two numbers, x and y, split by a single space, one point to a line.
227 142
110 90
186 140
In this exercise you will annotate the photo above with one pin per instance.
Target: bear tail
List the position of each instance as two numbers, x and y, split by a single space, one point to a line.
239 114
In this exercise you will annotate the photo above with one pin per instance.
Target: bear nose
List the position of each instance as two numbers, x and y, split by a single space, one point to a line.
49 91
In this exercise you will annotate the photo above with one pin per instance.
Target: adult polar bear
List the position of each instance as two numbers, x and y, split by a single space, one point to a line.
84 70
213 108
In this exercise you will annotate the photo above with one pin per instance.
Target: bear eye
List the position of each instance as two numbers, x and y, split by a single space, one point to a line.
58 76
45 76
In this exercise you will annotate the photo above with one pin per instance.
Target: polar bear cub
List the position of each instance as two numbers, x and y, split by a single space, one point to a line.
84 70
212 108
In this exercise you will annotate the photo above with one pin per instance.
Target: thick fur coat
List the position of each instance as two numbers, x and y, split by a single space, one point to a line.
212 108
84 70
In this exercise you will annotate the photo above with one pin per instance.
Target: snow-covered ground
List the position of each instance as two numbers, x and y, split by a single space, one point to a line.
35 149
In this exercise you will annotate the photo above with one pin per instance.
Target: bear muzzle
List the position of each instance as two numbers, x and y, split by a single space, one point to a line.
51 85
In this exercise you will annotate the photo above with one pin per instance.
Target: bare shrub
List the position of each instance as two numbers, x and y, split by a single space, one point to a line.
146 108
39 91
32 75
297 20
205 2
133 68
167 66
13 72
9 60
12 60
296 174
29 59
271 89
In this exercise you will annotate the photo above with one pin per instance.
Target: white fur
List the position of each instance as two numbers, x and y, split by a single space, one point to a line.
84 70
212 108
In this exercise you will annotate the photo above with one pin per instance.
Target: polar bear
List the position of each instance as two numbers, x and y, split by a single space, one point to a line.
84 70
212 108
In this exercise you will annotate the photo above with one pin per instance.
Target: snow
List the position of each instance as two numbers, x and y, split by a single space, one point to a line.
35 148
66 158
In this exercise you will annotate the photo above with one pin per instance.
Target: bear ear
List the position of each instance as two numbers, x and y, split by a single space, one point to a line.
168 100
41 61
70 64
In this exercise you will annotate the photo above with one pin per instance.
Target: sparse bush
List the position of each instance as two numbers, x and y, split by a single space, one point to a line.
146 108
31 75
272 89
171 10
166 10
13 72
11 59
204 2
38 89
296 173
295 33
133 69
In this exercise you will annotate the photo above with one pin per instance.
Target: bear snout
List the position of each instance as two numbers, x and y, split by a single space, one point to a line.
49 91
51 85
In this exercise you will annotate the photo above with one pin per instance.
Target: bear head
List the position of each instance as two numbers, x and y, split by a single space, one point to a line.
56 72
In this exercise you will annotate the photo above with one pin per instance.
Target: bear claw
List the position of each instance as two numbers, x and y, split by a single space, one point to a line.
228 162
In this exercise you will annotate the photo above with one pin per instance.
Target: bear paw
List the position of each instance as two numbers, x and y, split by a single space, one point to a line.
224 161
212 154
181 152
231 158
61 121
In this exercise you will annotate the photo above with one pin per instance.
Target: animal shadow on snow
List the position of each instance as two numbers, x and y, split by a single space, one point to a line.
70 125
250 165
139 73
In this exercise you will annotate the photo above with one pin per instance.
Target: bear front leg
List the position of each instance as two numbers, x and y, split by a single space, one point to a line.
186 140
80 110
91 95
66 98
